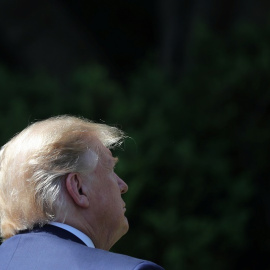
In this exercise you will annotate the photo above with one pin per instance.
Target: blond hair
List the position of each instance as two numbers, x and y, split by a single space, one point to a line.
35 162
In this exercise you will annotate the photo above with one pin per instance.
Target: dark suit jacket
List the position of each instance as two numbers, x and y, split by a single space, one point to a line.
52 248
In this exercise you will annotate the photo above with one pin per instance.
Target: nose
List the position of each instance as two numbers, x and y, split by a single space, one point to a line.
122 185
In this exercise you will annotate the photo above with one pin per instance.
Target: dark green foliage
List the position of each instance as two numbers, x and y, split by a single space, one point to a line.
196 162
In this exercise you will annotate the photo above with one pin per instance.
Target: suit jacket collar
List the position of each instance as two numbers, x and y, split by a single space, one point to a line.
53 230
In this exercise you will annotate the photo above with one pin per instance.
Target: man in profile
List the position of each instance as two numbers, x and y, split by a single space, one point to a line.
60 199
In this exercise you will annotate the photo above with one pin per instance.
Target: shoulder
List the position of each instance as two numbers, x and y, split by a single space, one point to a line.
148 266
122 262
49 252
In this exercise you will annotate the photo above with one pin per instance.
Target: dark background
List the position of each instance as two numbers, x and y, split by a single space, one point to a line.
189 83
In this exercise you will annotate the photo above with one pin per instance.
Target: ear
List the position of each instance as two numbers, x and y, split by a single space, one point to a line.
75 189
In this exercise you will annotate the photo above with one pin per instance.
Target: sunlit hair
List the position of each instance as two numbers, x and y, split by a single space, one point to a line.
35 162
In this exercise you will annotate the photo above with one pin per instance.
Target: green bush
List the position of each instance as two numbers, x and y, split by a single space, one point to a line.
196 162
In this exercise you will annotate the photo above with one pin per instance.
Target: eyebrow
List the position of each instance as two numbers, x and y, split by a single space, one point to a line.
112 162
115 159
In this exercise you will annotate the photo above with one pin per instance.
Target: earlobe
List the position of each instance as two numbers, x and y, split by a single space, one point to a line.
74 185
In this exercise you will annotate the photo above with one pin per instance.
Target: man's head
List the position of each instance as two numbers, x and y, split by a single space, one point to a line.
62 169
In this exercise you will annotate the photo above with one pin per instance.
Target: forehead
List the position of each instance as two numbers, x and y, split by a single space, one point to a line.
105 154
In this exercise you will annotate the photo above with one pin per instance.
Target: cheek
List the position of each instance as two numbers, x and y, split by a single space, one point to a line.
105 194
106 199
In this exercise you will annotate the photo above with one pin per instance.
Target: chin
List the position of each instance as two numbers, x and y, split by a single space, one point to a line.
125 226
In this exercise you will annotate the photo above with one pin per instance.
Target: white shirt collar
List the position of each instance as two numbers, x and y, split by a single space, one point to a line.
74 231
